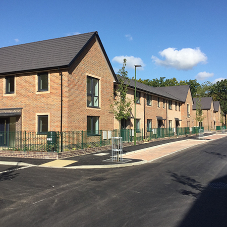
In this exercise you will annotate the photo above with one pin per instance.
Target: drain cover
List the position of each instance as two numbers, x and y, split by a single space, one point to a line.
218 185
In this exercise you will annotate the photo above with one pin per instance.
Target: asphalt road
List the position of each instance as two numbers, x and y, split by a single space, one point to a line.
184 189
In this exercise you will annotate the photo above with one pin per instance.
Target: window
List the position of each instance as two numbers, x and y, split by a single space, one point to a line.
200 124
43 81
149 125
179 106
158 102
138 97
42 124
149 100
137 125
170 104
93 125
92 92
170 123
188 110
176 106
164 103
10 84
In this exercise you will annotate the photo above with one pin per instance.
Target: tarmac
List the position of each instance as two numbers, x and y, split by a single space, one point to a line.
133 155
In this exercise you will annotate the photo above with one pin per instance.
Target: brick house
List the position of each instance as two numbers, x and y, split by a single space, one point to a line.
159 107
211 112
61 84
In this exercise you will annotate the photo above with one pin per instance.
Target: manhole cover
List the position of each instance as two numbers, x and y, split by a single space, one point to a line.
218 185
97 179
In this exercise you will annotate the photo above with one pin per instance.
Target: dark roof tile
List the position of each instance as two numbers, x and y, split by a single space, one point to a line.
50 53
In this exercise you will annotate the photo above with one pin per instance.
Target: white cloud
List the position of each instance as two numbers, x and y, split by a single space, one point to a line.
131 61
73 33
183 59
203 75
129 37
16 40
218 79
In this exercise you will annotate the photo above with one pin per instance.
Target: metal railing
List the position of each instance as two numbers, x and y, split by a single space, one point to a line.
74 140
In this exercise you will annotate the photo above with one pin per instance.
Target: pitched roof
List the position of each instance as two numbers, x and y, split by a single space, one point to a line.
180 92
47 54
216 106
205 103
171 92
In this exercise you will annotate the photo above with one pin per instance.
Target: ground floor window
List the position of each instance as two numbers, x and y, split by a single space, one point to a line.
149 125
92 125
42 124
170 124
200 124
137 125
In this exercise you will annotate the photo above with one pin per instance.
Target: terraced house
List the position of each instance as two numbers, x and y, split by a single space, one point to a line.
67 84
211 112
159 107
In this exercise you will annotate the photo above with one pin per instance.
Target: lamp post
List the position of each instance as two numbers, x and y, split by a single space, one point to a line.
135 106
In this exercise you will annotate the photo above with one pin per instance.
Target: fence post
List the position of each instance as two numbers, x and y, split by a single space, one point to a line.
24 140
82 140
100 138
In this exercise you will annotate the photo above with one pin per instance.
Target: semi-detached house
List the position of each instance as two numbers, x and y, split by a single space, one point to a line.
61 84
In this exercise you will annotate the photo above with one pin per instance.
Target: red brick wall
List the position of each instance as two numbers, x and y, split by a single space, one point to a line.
75 111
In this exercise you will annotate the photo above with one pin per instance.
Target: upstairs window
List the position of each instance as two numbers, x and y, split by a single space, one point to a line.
10 84
179 106
92 92
43 81
158 102
138 97
176 106
149 98
164 103
170 104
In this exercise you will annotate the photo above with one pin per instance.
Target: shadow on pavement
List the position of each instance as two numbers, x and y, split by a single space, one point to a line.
210 207
9 174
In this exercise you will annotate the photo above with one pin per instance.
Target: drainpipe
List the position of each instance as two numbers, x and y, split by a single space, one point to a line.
61 111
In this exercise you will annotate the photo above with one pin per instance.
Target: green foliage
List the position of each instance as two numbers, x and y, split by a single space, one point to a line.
218 92
121 106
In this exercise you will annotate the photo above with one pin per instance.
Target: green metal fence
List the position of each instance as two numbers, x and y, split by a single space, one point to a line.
73 140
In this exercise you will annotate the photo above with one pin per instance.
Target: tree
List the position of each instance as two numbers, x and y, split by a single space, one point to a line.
218 92
121 106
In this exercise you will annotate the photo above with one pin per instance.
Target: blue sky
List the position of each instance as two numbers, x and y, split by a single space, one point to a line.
170 38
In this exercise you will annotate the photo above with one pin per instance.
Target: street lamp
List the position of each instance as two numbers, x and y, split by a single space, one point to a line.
135 106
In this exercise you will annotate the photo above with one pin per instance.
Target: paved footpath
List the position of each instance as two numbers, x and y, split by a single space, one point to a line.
100 160
153 153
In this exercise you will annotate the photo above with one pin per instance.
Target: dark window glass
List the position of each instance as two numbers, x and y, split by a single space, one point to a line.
10 85
138 97
149 100
149 125
43 123
43 81
92 92
93 125
170 104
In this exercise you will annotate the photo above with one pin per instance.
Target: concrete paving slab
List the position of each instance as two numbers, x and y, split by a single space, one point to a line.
58 163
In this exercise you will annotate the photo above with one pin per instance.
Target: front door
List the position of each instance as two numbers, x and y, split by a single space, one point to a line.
4 131
124 131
